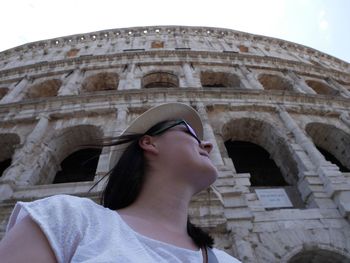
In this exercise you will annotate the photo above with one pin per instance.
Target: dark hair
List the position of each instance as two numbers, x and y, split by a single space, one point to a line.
126 178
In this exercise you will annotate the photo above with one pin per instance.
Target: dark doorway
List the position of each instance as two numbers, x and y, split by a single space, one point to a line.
79 166
251 158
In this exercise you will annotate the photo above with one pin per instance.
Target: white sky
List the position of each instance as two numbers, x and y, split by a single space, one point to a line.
320 24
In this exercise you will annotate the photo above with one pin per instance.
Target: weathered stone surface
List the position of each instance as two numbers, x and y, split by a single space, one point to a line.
290 100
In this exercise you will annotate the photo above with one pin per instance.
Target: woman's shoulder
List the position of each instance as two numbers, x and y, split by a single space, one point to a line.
224 257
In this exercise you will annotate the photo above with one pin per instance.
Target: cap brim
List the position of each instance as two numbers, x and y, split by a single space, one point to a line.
163 112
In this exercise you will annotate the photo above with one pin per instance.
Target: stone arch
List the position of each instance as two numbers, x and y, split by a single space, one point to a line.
318 256
269 138
8 142
321 88
3 92
160 80
316 253
47 88
331 139
219 79
66 142
275 82
289 241
100 81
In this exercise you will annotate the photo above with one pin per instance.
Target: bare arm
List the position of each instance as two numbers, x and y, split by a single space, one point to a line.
25 242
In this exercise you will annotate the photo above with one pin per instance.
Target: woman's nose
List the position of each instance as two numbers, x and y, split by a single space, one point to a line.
207 146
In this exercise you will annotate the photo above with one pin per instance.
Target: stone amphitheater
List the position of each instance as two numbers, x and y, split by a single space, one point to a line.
277 113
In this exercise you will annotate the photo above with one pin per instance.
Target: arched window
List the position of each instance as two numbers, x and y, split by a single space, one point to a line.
219 80
79 166
275 82
252 158
160 80
101 81
321 88
332 142
258 148
48 88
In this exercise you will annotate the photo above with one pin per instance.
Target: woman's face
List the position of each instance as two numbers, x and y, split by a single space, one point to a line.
181 152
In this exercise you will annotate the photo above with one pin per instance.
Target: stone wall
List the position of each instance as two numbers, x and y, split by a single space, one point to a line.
288 99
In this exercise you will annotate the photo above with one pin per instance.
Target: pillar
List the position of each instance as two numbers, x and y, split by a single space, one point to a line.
127 79
16 91
192 80
299 83
71 83
24 169
251 82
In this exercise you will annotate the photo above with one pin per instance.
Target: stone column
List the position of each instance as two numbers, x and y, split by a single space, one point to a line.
299 83
250 82
16 91
22 169
209 135
343 91
71 83
335 184
192 79
127 79
25 167
316 157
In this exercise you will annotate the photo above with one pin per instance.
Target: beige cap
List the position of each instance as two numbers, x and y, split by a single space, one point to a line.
163 112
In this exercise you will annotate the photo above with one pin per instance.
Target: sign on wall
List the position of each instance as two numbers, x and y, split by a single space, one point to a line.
273 198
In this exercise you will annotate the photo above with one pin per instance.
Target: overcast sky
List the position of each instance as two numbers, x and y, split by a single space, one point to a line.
320 24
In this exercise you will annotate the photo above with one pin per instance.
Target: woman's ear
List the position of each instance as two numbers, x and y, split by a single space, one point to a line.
147 143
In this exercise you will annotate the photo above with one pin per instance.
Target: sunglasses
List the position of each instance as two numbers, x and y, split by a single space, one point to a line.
190 130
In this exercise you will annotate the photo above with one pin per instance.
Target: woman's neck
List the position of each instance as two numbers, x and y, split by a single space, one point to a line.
161 212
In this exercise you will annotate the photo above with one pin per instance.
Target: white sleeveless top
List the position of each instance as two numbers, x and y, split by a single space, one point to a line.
79 230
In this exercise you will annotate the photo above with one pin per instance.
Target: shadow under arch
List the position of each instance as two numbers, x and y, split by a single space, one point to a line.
272 165
8 142
275 82
100 82
66 142
44 89
219 79
269 138
160 79
333 140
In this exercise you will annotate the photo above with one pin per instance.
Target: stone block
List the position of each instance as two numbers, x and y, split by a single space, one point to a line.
6 191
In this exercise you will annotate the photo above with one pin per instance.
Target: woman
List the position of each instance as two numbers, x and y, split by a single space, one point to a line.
144 218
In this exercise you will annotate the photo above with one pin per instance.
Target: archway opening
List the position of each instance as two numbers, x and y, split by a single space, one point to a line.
330 157
318 256
160 80
332 142
321 88
275 82
4 165
252 158
79 166
48 88
101 81
219 80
